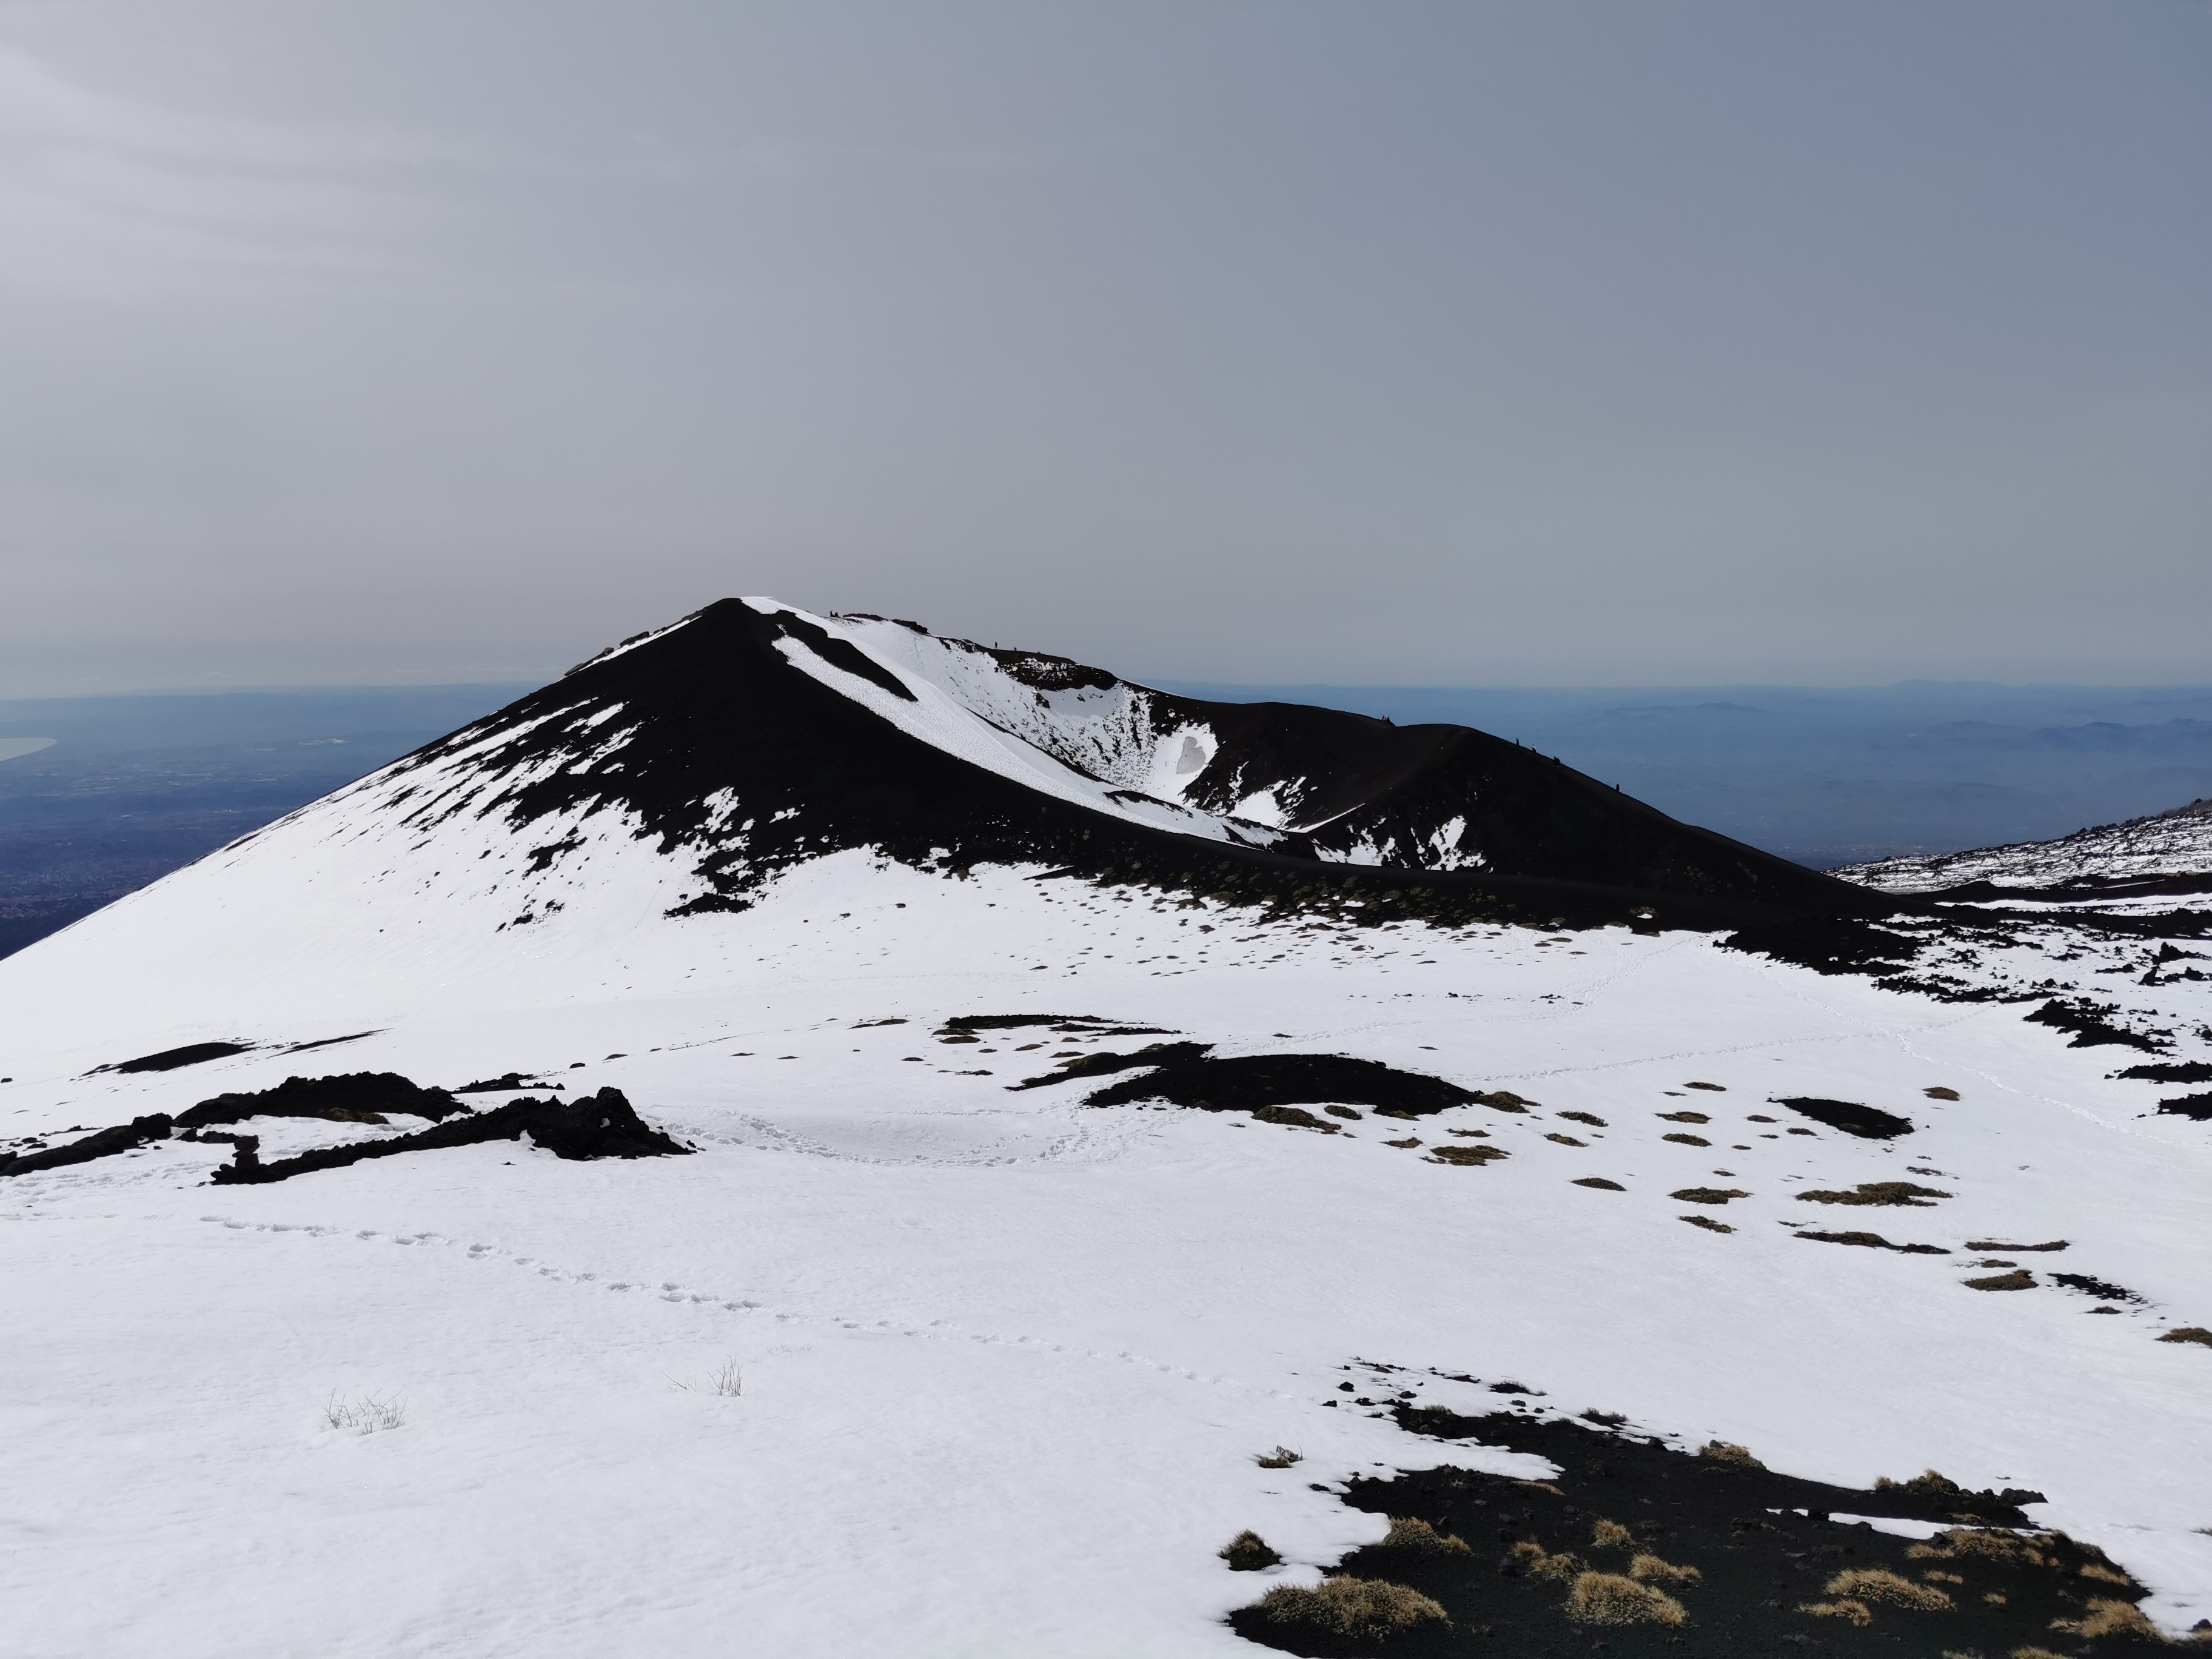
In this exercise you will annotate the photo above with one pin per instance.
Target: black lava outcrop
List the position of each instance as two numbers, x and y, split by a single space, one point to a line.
603 1125
728 754
353 1097
1188 1074
101 1143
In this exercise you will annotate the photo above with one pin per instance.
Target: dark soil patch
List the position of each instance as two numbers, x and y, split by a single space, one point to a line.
2199 1107
2100 1289
1071 1025
1874 1241
328 1043
102 1143
600 1126
1106 1061
1904 1195
352 1097
1600 1183
1828 944
1853 1119
1186 1075
169 1060
1759 1560
2183 1071
2090 1027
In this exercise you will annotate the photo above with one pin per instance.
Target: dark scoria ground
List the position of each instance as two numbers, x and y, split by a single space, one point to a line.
1764 1546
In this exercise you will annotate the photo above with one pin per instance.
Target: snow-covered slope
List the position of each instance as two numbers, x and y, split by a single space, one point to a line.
1007 1359
2165 855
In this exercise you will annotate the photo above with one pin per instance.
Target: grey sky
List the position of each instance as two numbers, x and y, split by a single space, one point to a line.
1395 344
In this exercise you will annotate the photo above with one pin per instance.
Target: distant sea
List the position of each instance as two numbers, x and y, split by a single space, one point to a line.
100 795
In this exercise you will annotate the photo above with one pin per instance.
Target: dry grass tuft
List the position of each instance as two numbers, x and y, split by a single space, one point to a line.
1993 1544
2110 1619
1567 1140
1687 1141
1937 1575
1533 1559
1902 1193
1651 1569
1249 1552
372 1413
1708 1194
1600 1183
2189 1333
2036 1653
1857 1612
1606 1598
1291 1117
1684 1117
1539 1486
1724 1451
1880 1584
1409 1534
1366 1609
1929 1483
1590 1118
1939 1092
1611 1535
1466 1155
1281 1458
2018 1279
2105 1575
1708 1224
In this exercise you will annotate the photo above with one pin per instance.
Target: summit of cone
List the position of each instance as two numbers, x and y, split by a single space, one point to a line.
751 736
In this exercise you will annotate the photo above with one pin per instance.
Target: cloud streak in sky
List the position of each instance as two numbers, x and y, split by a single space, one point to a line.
1283 341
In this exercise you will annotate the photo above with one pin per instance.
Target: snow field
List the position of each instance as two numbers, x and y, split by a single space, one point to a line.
1007 1359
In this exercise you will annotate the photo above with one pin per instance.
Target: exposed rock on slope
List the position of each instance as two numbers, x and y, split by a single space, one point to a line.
2167 853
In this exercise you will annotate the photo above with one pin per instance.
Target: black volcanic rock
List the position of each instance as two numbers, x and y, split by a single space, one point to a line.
603 1125
352 1097
732 757
101 1143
